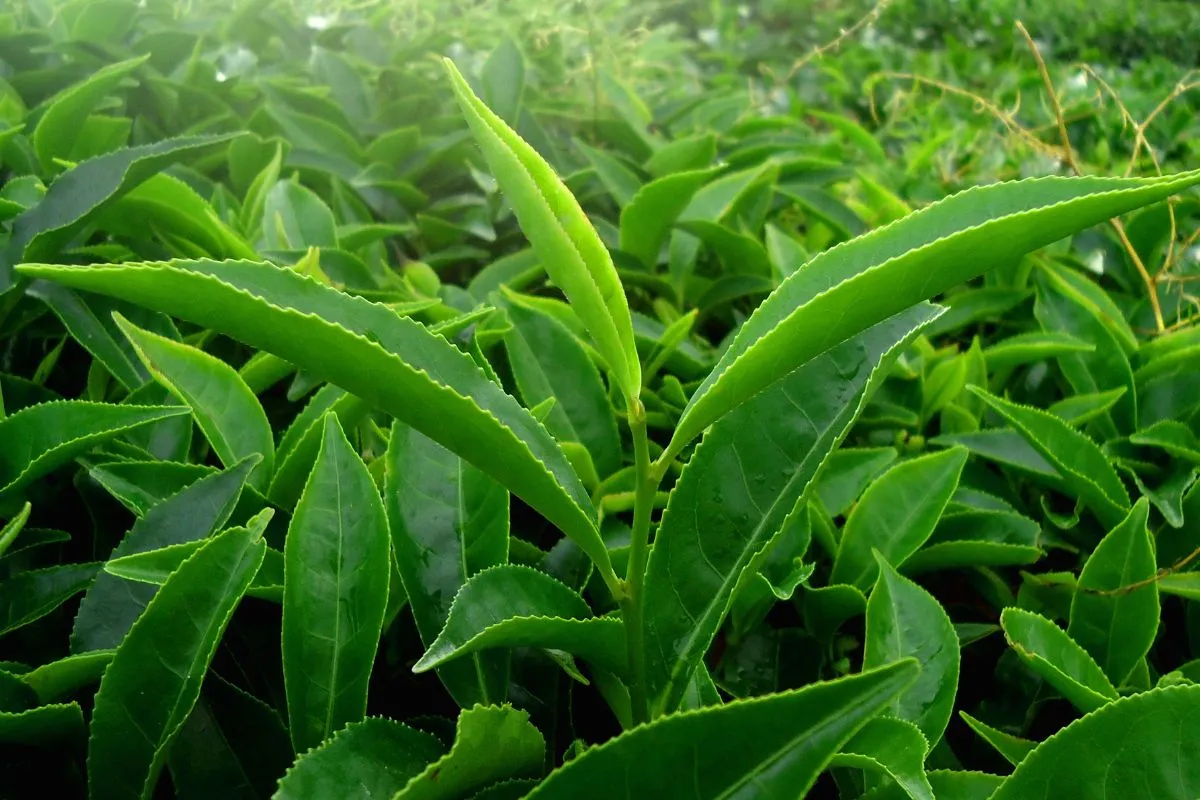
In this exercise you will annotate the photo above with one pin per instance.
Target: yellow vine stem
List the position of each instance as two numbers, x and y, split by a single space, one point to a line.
1069 158
828 47
1006 118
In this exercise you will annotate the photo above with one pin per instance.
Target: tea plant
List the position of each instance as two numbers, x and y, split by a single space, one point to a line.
375 424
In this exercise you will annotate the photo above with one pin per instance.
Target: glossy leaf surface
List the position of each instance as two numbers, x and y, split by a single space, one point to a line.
155 675
905 621
516 606
1114 613
777 744
352 343
1145 743
714 526
449 521
368 760
335 590
850 287
897 514
565 241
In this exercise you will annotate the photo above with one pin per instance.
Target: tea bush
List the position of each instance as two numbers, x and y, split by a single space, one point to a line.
562 400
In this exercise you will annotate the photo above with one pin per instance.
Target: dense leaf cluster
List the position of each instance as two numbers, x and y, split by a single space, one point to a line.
469 400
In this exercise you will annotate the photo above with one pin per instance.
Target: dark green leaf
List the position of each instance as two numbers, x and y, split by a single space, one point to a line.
335 592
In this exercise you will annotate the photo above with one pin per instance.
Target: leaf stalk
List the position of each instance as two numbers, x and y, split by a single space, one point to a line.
631 607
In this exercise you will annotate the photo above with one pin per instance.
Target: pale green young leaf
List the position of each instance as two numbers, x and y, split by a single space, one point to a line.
563 238
389 361
226 410
335 591
845 289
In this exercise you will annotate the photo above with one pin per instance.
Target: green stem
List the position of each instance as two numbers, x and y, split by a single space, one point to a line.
635 575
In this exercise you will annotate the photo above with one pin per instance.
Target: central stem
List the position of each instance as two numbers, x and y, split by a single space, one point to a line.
635 573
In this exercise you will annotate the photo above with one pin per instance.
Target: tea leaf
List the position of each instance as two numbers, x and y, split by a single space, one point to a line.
896 515
429 385
1114 613
30 595
547 361
154 678
1052 653
1075 457
335 591
714 527
67 675
366 760
224 407
449 522
42 438
63 119
905 621
297 450
491 743
111 605
1060 308
845 289
1143 741
649 215
776 744
945 783
895 747
978 538
78 193
561 235
1012 748
516 606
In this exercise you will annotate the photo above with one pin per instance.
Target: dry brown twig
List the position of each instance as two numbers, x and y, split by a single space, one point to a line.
829 47
1069 158
1006 118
